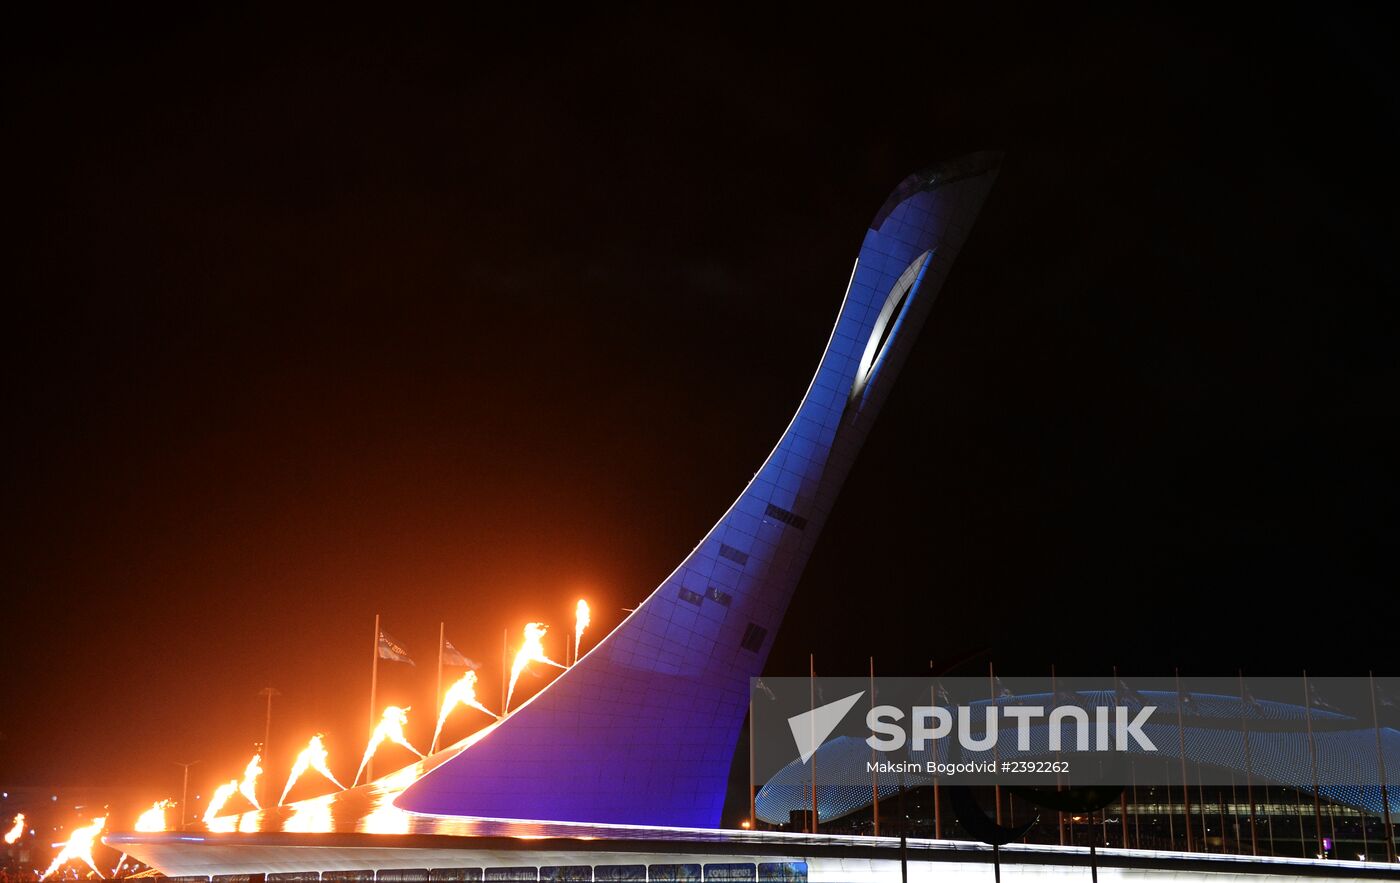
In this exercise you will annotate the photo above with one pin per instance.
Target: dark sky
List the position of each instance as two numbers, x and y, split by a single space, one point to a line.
460 319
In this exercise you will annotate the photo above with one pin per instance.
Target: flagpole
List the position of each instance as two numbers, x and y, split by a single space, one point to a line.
1181 743
1171 814
1201 802
1137 815
1235 813
996 755
1302 835
505 669
1249 772
1365 835
1123 803
812 685
1380 765
1224 839
373 693
874 774
1312 754
1123 795
269 692
1268 801
753 813
442 643
1332 820
1054 698
937 806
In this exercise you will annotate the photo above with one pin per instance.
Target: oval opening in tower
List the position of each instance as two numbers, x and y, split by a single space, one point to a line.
887 323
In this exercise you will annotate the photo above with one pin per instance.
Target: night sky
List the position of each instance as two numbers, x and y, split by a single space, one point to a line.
463 319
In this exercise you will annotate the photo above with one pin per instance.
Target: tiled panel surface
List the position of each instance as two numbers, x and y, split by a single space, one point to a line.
643 728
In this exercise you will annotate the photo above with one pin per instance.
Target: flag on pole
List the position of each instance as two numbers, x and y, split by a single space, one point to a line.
1125 694
1248 698
1385 699
392 650
1001 690
1317 700
944 699
452 656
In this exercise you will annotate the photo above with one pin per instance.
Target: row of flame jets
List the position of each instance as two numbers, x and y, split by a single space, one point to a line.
314 756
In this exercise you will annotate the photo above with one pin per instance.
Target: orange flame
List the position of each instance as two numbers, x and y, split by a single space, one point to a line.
153 819
221 796
312 816
530 651
385 818
390 729
16 831
461 693
79 847
581 621
250 823
249 786
312 757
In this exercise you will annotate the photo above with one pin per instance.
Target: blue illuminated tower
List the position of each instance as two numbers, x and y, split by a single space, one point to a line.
643 728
